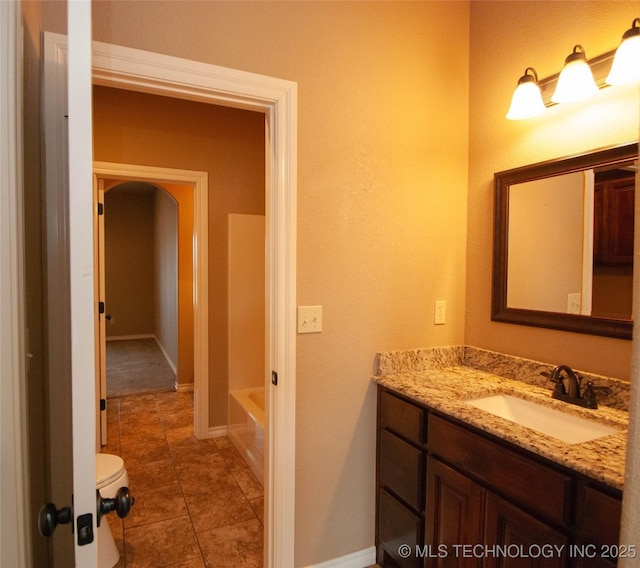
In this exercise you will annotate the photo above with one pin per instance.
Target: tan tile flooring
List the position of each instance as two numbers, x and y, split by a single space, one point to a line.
197 502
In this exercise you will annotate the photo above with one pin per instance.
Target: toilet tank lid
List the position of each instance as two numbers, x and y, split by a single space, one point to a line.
108 467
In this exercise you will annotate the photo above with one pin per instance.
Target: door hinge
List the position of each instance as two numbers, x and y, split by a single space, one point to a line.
274 378
100 208
100 307
103 404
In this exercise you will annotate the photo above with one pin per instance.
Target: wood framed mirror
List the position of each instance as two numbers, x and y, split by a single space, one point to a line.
563 243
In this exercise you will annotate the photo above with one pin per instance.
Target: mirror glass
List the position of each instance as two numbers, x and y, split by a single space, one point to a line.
563 243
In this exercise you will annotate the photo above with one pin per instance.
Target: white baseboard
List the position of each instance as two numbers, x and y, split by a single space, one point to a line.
359 559
216 432
186 387
166 356
130 337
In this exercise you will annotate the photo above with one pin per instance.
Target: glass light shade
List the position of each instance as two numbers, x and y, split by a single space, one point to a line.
526 101
625 69
576 81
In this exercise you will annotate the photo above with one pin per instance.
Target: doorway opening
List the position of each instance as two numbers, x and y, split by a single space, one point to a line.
211 489
142 289
190 188
137 70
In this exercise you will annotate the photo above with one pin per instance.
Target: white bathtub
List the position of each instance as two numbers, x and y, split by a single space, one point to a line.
246 427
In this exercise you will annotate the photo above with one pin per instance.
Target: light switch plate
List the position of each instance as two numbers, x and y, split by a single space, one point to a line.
309 319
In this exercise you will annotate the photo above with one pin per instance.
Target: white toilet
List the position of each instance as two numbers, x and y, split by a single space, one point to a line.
110 476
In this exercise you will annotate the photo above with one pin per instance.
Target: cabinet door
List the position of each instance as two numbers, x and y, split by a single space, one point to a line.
598 519
453 518
621 221
614 221
514 539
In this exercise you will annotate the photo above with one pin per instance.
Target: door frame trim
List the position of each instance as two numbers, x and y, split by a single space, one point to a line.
200 183
16 519
277 99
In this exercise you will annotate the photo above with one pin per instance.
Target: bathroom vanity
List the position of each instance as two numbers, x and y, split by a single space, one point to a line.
458 486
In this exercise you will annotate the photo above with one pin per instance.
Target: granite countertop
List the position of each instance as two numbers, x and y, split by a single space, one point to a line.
446 389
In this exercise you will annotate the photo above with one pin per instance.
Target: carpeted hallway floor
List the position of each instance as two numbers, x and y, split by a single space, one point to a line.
137 366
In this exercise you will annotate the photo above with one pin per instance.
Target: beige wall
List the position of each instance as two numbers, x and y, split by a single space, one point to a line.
507 37
382 197
613 291
165 245
546 222
398 121
129 260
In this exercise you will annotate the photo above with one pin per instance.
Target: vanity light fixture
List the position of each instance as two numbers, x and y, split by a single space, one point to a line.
581 78
626 63
576 81
527 98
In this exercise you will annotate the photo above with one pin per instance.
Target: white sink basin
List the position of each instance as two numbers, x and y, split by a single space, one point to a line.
561 425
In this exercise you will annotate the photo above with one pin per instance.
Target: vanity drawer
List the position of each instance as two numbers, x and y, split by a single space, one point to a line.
402 417
533 485
402 469
397 527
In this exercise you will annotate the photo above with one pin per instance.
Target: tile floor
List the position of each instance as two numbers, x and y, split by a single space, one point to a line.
198 505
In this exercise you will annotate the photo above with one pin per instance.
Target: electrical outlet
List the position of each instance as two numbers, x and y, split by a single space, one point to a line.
574 303
440 312
309 319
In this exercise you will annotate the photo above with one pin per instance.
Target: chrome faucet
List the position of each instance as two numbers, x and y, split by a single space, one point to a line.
572 392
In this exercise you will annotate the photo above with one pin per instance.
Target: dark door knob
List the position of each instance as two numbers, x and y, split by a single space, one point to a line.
121 503
49 518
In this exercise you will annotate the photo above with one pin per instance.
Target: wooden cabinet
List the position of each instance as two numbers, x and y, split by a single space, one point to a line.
401 459
613 221
499 531
449 495
535 486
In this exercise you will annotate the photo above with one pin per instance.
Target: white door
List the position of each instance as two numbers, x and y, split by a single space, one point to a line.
82 287
70 287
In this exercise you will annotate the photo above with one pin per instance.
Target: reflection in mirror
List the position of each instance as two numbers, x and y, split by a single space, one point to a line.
582 261
563 243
